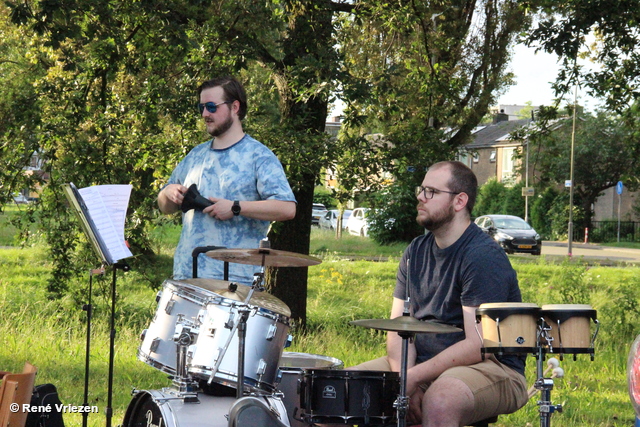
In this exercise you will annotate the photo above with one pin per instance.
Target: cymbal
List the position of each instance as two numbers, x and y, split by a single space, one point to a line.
406 324
265 257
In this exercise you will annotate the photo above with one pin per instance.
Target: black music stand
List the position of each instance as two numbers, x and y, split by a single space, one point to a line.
100 230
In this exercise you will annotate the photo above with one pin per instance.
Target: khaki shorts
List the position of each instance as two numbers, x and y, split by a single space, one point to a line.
497 389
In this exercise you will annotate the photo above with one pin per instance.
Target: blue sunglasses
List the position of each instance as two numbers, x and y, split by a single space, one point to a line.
211 107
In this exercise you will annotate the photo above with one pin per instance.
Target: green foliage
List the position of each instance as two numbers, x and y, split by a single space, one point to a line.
490 198
394 218
324 196
540 212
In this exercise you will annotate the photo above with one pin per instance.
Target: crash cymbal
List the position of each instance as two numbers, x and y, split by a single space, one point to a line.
238 292
406 324
265 257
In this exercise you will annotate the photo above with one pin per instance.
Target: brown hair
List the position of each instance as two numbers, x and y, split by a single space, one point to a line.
462 180
233 91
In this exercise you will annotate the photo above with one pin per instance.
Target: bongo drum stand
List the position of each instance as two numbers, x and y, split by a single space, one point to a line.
545 385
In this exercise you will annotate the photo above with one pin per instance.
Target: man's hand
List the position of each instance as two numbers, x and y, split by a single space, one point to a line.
221 209
171 197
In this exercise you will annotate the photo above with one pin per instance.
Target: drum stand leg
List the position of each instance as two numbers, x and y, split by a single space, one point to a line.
402 402
545 385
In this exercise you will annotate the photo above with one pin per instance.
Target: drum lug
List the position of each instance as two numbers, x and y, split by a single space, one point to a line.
158 296
154 345
230 322
143 334
288 342
169 307
262 367
272 332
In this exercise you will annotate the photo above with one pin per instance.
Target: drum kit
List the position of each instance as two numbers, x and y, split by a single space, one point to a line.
525 328
222 344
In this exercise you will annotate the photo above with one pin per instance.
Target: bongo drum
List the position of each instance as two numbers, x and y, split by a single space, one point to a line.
570 327
509 327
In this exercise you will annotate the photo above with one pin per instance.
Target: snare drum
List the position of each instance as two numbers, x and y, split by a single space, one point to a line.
570 327
214 356
178 300
163 409
349 397
292 366
509 327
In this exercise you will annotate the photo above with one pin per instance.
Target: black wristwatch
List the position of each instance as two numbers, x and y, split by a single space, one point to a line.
236 208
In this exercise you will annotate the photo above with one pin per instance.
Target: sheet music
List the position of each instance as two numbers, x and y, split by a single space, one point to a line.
107 205
106 208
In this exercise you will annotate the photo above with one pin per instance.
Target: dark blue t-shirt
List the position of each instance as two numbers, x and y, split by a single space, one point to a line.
472 271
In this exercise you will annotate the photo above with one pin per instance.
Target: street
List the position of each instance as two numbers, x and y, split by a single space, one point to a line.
590 252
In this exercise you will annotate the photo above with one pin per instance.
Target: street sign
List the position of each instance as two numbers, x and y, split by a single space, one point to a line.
619 187
567 183
528 191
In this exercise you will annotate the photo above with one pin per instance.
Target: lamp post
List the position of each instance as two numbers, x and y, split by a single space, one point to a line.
573 140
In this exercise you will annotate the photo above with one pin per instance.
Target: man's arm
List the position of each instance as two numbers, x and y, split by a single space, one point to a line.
463 353
394 342
266 210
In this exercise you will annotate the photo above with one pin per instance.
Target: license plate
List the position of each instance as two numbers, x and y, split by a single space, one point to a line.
524 246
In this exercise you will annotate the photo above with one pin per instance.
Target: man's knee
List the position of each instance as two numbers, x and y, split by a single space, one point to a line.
448 398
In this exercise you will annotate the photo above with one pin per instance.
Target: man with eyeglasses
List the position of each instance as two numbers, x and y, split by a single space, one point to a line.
243 178
446 274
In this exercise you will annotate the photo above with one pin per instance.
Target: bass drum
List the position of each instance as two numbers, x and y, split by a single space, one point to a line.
162 409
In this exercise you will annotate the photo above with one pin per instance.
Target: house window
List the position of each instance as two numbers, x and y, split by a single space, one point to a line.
493 156
476 157
508 166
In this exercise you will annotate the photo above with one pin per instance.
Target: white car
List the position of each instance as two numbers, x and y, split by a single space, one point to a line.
330 219
317 212
358 224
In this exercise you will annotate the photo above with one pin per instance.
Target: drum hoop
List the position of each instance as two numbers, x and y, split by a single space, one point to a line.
348 374
504 312
564 315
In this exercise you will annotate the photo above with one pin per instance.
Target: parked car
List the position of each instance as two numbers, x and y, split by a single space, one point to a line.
20 198
512 233
330 219
358 224
317 212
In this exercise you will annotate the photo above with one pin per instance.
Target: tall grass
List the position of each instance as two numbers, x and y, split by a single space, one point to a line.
52 334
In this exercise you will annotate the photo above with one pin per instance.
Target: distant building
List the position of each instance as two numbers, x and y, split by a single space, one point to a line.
511 111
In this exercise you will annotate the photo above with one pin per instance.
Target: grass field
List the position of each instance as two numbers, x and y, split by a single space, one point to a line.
52 334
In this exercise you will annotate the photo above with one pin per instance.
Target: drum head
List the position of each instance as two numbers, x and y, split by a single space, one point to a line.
221 288
503 310
290 359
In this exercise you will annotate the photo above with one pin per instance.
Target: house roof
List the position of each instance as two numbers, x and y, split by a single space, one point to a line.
496 134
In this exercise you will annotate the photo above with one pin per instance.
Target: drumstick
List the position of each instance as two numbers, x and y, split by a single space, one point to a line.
552 363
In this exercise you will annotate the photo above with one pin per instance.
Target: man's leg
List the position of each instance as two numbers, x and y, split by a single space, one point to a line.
447 402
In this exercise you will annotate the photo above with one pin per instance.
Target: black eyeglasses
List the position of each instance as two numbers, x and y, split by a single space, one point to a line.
430 192
211 107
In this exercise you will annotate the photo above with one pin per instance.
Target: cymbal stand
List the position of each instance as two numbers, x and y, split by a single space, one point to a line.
545 385
402 402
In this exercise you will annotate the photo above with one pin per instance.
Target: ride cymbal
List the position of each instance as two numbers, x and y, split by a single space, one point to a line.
406 324
264 257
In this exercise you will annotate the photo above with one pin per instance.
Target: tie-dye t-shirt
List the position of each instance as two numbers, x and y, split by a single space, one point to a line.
247 170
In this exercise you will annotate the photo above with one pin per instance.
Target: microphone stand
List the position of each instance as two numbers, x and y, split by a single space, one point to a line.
112 338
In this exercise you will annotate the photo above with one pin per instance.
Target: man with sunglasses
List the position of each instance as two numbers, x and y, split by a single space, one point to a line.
242 177
445 275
